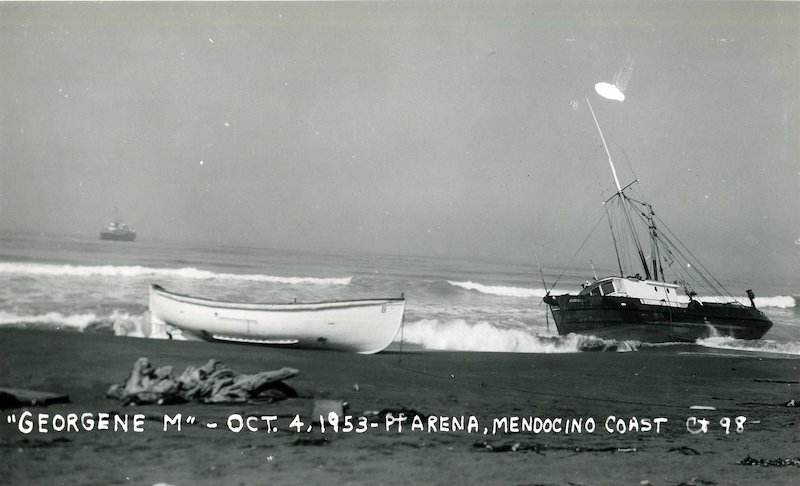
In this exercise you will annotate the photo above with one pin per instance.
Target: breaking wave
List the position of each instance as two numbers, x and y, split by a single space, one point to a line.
459 335
50 319
118 322
778 301
757 345
43 269
430 334
499 290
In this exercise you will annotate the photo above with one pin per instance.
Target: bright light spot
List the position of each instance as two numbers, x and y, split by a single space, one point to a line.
609 91
616 88
210 40
688 265
201 162
227 124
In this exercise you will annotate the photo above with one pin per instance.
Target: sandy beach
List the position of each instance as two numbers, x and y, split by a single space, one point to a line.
509 170
499 392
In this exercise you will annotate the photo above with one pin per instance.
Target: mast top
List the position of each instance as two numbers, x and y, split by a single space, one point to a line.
610 162
623 198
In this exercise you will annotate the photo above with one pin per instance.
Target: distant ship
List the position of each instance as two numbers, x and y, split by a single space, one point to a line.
118 230
651 308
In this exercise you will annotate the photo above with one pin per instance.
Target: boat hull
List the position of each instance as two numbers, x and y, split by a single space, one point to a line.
626 318
358 326
107 235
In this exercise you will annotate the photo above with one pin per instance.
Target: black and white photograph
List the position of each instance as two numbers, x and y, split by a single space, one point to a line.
524 242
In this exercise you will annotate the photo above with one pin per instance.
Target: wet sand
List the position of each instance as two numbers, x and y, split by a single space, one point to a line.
650 384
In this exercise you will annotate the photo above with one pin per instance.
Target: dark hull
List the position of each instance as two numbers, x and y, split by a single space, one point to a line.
106 235
625 318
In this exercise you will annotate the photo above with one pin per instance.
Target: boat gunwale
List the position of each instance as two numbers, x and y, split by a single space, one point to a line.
267 306
641 302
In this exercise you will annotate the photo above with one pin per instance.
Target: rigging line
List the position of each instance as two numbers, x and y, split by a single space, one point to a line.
646 215
544 286
633 172
667 242
623 242
614 239
636 241
577 252
678 269
658 255
640 203
698 266
702 275
627 239
697 261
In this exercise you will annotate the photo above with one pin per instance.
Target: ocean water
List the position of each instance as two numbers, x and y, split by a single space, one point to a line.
84 284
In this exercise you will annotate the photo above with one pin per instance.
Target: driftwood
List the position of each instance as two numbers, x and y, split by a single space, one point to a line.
211 383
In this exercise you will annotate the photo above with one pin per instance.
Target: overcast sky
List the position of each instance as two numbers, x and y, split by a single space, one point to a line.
413 128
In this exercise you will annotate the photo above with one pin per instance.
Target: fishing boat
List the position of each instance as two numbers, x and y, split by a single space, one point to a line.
118 230
365 326
647 305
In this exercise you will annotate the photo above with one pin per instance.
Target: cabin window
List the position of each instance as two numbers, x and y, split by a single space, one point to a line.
608 287
595 291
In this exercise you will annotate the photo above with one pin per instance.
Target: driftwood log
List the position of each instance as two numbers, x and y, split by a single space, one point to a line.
211 383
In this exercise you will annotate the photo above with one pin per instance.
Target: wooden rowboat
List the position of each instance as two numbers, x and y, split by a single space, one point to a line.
360 326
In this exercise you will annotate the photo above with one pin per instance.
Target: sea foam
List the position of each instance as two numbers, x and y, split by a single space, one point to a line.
503 291
44 269
758 345
121 323
460 335
49 319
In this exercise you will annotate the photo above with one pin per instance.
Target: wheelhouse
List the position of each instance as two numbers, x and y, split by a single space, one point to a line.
647 291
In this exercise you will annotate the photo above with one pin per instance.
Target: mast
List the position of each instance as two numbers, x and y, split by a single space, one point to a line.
621 194
614 240
655 250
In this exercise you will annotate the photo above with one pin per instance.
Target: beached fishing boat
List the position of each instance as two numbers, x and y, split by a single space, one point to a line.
360 326
118 230
650 306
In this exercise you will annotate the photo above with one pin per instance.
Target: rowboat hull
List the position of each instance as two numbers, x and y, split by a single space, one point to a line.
359 326
630 319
